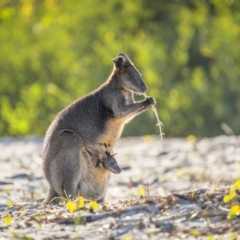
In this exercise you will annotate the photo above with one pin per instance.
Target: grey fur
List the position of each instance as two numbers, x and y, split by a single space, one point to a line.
98 117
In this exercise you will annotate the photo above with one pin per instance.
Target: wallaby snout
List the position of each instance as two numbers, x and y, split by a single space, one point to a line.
143 89
137 85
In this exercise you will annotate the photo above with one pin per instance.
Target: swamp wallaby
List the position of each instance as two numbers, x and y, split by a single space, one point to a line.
94 120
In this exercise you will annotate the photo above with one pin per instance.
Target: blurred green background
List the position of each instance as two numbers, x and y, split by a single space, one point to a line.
52 52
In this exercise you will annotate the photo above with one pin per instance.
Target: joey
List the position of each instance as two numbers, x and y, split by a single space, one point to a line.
109 163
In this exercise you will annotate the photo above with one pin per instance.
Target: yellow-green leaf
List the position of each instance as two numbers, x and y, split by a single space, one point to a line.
179 172
141 191
230 216
127 238
93 205
233 236
15 235
6 190
8 220
194 232
77 220
9 203
237 185
71 206
210 237
191 138
37 214
148 138
229 197
235 209
80 202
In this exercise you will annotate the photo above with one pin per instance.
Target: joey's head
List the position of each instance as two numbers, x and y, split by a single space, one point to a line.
129 77
111 165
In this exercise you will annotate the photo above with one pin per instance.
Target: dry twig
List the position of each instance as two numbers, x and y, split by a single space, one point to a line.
159 123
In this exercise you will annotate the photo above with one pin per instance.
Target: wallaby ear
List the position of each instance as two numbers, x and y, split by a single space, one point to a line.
102 156
118 62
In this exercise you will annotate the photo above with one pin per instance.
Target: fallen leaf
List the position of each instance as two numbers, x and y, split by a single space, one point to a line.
80 202
93 205
6 190
191 138
235 209
8 220
71 206
37 214
127 238
9 203
210 237
141 191
148 138
194 232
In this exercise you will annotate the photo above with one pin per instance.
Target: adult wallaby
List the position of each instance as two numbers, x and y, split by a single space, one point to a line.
96 119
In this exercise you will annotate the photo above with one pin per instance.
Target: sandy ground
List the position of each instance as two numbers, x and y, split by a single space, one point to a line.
183 183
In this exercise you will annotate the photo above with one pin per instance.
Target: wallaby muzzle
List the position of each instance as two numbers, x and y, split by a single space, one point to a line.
143 89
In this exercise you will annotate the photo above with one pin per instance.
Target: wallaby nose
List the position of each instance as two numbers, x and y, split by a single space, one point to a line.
115 168
144 89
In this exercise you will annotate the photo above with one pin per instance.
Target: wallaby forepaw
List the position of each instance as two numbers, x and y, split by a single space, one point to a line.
150 101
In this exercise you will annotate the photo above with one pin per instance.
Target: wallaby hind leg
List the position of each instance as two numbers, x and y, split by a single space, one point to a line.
70 188
67 176
62 167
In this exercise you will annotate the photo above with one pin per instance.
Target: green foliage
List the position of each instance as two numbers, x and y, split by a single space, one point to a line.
53 52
